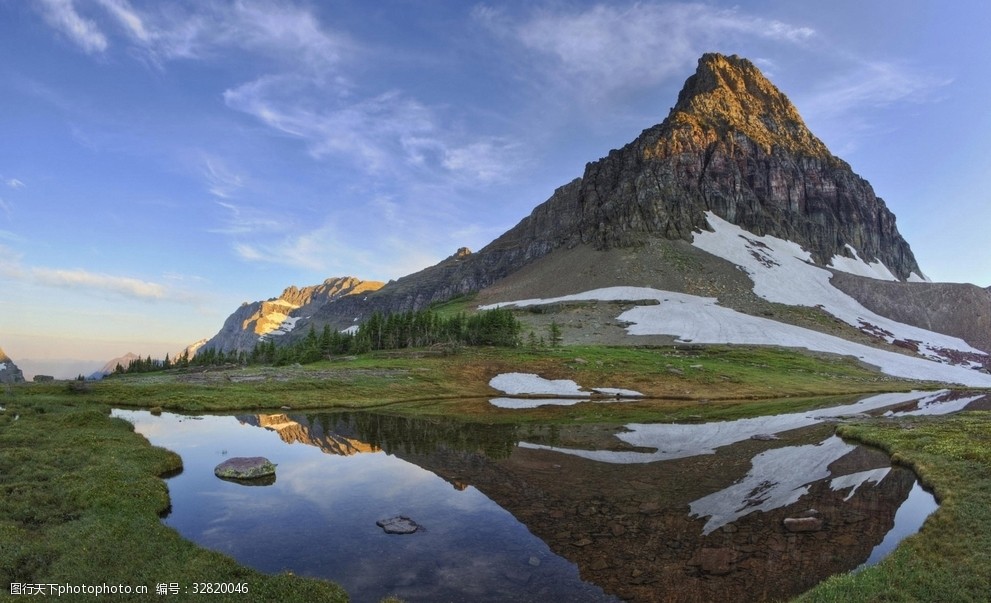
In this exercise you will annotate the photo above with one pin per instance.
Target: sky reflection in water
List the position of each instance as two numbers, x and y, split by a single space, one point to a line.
687 522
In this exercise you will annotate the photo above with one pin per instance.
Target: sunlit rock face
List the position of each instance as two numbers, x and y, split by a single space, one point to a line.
736 146
9 373
278 316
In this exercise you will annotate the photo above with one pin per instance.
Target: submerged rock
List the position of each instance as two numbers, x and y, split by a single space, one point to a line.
398 525
245 468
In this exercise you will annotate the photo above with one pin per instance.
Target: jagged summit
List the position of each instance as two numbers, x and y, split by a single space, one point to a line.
729 94
736 146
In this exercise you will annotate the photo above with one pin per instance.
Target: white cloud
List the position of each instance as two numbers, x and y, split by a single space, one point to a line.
62 15
241 220
14 183
86 280
607 47
124 14
374 132
122 285
169 31
222 181
331 250
873 84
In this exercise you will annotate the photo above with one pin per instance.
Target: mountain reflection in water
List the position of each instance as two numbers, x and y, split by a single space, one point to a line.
546 512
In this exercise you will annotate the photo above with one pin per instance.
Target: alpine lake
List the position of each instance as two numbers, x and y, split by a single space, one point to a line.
751 509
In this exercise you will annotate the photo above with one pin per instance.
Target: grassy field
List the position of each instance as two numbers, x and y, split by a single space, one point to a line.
82 493
382 379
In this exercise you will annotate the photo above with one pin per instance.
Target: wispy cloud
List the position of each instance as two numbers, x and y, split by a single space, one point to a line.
607 47
122 285
63 17
241 220
222 181
173 31
873 84
13 183
332 250
80 279
373 131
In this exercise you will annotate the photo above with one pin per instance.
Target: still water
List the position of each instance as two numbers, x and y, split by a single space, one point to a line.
521 512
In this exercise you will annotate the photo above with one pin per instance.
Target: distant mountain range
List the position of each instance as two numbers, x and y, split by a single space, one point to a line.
729 215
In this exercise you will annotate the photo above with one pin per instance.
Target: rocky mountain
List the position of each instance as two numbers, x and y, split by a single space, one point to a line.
190 349
733 145
256 321
111 365
734 208
9 373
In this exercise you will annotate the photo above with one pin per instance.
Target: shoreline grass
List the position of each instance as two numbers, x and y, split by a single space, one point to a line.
82 499
950 558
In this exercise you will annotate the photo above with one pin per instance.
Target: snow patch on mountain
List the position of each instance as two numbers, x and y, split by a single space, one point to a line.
855 265
285 327
783 272
696 319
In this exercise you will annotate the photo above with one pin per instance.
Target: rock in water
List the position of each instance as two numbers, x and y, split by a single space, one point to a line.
245 468
398 525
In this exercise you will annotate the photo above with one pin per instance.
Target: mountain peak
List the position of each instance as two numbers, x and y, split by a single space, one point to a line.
729 94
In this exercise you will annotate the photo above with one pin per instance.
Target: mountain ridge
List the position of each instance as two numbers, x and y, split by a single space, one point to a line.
721 204
660 185
274 317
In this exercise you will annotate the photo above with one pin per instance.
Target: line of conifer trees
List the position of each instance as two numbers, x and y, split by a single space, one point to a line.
419 329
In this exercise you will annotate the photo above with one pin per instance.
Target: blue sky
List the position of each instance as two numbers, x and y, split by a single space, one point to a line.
162 162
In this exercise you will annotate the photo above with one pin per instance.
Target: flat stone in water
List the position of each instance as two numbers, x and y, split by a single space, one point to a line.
398 525
245 467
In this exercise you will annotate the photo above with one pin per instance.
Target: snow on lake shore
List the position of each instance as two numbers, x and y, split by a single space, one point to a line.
528 384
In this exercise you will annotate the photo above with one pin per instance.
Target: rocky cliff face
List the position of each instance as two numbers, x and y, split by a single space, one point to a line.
733 145
956 309
277 316
736 146
9 373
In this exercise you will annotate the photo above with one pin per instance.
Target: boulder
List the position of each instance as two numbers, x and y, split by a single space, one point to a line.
398 525
245 468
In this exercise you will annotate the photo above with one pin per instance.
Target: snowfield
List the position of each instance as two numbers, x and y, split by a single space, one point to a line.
527 383
783 272
696 319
